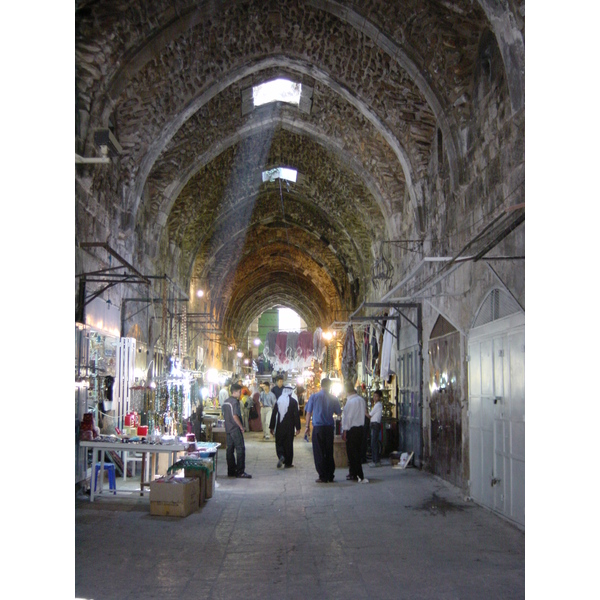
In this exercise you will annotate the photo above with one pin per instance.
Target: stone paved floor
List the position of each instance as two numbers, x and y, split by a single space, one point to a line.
404 535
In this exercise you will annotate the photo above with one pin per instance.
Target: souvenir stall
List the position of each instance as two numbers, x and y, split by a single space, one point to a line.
376 370
164 444
96 342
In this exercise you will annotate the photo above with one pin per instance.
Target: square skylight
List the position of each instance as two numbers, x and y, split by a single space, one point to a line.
278 90
280 173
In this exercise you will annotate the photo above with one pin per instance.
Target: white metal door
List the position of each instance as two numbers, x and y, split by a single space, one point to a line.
497 416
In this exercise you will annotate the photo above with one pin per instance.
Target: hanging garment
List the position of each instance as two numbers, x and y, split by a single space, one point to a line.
386 349
269 351
349 356
374 349
318 345
366 357
280 348
305 349
291 348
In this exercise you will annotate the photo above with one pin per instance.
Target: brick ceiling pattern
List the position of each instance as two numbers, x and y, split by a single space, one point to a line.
168 77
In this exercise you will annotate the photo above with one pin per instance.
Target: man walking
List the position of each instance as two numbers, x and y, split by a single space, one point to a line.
320 408
267 402
285 420
234 430
353 428
278 389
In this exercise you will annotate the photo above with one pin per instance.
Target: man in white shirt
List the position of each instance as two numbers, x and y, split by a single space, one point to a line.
223 395
353 424
267 402
375 416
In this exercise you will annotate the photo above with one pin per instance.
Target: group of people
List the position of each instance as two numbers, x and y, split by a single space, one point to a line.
321 408
281 417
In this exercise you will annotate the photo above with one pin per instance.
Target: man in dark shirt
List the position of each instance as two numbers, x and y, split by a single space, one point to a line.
279 387
234 430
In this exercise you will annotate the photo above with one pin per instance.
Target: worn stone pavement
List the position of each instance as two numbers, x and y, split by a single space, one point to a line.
404 535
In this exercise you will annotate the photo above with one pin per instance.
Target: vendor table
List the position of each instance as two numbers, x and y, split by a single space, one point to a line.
209 448
99 449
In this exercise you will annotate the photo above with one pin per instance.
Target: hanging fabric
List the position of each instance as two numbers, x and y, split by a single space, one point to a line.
386 346
280 348
349 356
374 349
304 349
269 351
319 348
290 349
366 349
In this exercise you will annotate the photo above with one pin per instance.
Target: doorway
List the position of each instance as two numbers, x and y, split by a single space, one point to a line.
497 407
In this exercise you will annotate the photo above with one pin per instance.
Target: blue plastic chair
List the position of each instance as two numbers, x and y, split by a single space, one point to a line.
112 480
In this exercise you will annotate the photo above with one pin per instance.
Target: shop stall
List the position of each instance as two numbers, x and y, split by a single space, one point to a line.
107 450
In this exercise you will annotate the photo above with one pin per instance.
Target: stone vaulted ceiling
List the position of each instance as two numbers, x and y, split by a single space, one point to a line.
169 77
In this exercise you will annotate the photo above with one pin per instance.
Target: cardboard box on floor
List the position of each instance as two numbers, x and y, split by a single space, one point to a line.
174 496
209 480
219 435
340 456
202 480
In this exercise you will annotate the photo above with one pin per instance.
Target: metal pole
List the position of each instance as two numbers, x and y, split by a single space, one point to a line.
420 405
80 308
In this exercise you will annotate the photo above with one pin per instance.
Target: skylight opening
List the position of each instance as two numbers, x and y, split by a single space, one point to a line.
280 173
278 90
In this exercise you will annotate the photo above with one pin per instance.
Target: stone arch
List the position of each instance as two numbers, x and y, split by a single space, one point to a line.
512 47
415 190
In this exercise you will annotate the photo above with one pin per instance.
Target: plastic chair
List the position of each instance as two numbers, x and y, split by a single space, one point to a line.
112 481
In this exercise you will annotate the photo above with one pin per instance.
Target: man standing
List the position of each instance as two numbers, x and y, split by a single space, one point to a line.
375 415
279 387
245 404
320 408
285 420
267 402
234 430
223 395
353 427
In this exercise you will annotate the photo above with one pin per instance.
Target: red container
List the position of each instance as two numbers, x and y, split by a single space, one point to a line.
142 430
131 419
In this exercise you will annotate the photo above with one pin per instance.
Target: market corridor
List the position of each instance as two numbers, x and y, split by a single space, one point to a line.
280 535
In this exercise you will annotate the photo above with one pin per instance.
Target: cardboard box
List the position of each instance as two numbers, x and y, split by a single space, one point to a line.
219 435
201 476
210 485
209 479
340 456
174 496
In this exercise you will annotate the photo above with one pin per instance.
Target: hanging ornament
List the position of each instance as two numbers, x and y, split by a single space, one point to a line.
382 270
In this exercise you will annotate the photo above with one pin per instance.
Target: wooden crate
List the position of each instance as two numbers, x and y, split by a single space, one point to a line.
340 456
